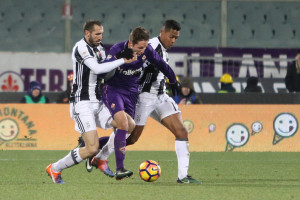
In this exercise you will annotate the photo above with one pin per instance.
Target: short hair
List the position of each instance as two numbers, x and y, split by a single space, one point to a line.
139 34
89 25
171 24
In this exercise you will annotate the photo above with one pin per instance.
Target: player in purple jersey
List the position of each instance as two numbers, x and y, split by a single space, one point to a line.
120 92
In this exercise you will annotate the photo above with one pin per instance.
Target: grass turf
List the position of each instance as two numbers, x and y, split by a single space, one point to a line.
225 176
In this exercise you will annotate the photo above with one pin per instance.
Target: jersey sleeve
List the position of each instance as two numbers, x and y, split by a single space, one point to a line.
82 53
154 58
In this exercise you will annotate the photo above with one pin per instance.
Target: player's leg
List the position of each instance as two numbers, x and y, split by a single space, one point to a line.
170 117
88 164
103 120
120 144
108 148
84 124
145 106
135 135
117 102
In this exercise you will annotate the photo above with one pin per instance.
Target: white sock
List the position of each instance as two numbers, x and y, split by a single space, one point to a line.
69 160
183 157
107 149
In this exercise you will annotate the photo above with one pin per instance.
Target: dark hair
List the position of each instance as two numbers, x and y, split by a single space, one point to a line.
139 34
89 25
171 24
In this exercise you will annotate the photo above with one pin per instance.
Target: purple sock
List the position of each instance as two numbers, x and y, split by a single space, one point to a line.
120 148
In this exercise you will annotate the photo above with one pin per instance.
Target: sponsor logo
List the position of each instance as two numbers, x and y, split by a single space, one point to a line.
237 135
131 72
256 127
285 125
189 125
211 128
16 129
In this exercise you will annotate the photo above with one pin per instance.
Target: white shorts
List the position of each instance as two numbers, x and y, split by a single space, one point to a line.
89 115
156 106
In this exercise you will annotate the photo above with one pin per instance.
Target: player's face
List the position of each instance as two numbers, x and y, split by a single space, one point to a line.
94 38
139 48
168 38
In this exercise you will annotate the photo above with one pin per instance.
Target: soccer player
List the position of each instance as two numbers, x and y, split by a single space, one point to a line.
153 101
85 109
120 93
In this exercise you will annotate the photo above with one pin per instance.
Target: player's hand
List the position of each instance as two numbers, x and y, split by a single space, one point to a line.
125 53
130 60
176 88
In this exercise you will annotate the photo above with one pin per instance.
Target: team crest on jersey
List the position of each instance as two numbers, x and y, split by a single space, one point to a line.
113 106
109 57
123 150
144 58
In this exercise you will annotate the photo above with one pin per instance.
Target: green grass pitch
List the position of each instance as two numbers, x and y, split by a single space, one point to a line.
225 176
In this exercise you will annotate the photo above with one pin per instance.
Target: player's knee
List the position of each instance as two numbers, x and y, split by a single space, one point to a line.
92 150
123 125
181 133
131 125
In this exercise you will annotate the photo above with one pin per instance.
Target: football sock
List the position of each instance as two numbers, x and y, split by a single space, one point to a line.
183 157
107 149
103 141
69 160
120 148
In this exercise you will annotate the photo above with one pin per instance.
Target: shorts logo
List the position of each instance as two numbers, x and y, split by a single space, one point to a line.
113 106
88 124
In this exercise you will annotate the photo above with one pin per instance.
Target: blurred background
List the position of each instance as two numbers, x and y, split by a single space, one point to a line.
241 37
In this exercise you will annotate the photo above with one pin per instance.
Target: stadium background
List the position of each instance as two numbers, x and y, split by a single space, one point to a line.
243 38
35 42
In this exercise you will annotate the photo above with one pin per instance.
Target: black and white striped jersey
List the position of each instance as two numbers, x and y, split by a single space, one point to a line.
84 81
152 80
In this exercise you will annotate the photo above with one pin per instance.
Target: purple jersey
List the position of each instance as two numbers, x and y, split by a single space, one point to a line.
127 76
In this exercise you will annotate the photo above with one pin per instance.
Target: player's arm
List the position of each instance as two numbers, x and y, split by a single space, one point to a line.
154 58
103 67
82 56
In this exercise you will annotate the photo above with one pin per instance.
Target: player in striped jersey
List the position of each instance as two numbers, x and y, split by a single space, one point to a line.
85 109
153 101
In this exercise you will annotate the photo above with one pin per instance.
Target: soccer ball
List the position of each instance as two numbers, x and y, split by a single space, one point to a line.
149 170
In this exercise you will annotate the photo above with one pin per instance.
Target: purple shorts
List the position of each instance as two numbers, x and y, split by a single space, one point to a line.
117 100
